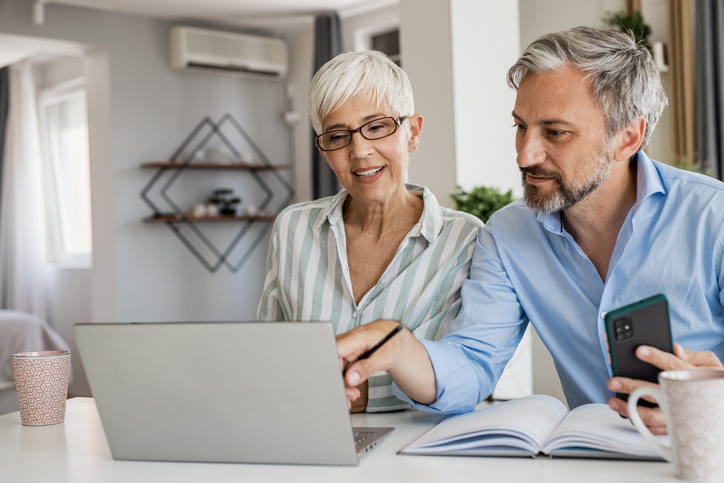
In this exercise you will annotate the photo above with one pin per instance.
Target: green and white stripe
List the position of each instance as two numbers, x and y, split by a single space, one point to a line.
308 275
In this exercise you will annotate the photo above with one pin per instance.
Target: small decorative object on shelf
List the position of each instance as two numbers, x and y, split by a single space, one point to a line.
250 210
212 210
222 154
223 199
199 210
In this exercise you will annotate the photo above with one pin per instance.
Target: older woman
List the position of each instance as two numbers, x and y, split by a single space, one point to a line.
380 248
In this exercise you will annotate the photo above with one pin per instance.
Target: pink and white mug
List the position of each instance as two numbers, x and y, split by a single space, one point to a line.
41 379
693 402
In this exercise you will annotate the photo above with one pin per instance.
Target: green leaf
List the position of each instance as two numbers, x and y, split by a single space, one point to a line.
481 201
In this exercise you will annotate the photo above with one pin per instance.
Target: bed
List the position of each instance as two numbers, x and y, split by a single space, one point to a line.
21 332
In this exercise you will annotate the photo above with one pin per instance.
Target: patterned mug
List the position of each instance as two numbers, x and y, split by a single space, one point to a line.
41 379
693 402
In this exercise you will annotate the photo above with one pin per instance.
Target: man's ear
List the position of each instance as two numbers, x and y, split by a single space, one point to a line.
415 131
629 139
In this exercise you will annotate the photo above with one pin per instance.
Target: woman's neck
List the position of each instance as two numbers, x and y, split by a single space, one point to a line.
403 209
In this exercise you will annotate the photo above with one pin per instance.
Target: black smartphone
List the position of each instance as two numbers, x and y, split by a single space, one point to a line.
641 323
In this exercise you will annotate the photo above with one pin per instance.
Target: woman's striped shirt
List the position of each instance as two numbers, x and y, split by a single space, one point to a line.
308 275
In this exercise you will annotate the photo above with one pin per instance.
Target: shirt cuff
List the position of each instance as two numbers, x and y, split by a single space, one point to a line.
457 383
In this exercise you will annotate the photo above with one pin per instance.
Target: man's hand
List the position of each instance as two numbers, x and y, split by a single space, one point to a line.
403 357
359 405
682 358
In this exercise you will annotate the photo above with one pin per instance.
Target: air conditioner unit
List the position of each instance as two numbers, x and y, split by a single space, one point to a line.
205 50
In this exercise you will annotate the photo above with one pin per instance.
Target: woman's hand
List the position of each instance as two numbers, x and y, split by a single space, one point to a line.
682 358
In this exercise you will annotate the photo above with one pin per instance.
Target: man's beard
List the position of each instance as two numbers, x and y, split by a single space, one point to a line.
567 194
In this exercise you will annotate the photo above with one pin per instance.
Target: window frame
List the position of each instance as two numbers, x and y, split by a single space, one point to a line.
56 254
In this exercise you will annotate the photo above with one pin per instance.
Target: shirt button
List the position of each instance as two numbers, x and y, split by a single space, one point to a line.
603 315
354 313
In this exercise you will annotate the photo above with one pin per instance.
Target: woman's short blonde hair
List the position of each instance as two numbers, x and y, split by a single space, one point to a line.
351 74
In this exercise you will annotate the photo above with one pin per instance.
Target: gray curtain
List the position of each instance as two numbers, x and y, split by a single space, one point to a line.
4 103
328 43
710 85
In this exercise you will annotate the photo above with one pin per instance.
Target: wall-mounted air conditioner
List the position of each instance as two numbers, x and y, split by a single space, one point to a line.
214 51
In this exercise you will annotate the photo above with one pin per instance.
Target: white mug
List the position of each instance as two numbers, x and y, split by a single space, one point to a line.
693 402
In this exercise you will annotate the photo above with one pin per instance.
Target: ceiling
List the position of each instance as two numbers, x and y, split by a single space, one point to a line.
271 14
239 12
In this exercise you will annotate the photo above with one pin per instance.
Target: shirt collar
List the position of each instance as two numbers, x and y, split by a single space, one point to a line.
430 223
648 183
333 212
648 180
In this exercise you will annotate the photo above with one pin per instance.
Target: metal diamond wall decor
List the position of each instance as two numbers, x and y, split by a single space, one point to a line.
189 229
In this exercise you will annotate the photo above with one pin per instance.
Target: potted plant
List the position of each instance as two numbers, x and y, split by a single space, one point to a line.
481 201
634 23
225 200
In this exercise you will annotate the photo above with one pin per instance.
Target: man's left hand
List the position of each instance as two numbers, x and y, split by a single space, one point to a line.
681 359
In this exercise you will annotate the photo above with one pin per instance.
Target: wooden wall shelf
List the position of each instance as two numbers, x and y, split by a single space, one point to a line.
172 218
212 166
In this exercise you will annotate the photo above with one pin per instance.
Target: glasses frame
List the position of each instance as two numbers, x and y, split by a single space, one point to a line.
398 122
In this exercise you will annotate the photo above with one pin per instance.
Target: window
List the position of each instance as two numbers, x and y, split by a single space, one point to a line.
64 132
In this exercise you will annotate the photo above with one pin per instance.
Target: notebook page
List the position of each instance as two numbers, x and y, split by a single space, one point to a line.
523 423
597 426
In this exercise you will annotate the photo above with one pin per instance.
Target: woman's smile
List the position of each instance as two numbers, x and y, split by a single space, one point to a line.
368 172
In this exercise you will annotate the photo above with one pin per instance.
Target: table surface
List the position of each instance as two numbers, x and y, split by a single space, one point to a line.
77 451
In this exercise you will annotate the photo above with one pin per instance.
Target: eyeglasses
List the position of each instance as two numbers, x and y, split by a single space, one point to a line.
375 129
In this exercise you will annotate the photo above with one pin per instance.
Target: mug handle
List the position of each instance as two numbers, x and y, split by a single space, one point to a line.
666 451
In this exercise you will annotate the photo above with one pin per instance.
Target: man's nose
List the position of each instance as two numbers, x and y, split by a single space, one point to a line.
530 149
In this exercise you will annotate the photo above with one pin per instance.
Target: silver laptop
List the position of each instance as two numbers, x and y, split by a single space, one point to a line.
241 392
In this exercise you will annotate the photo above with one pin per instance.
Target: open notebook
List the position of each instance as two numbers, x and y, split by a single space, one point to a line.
242 392
536 425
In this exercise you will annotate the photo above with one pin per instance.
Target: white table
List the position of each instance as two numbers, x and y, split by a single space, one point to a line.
76 451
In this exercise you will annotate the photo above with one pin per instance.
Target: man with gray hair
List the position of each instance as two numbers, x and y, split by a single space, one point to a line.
600 226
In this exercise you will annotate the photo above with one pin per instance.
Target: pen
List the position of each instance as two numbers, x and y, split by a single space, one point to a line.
378 345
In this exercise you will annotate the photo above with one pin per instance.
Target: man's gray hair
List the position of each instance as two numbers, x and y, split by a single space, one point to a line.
626 83
369 73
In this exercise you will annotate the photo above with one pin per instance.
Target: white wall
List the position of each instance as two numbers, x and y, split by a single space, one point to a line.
300 37
71 285
459 84
540 17
104 283
425 48
484 139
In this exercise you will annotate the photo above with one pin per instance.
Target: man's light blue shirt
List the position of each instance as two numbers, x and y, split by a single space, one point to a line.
528 268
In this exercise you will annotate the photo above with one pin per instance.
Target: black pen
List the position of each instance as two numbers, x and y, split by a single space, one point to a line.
378 345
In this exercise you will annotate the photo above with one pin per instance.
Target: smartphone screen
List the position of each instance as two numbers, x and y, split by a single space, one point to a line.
641 323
